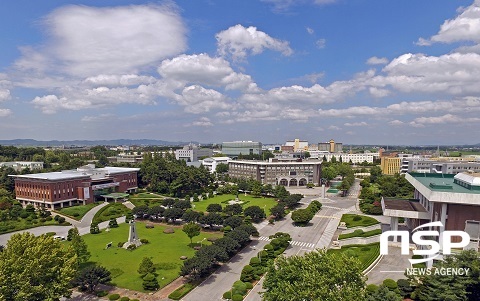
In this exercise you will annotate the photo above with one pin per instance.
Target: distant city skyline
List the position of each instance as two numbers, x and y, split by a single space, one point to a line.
361 72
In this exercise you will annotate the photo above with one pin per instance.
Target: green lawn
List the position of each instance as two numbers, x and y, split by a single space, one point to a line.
360 233
22 224
146 195
365 253
146 198
364 221
77 212
164 250
110 211
223 199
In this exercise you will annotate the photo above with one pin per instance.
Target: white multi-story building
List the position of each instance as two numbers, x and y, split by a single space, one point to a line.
355 158
211 163
286 173
428 165
191 153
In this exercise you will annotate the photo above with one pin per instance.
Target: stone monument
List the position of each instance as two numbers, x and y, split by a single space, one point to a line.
132 236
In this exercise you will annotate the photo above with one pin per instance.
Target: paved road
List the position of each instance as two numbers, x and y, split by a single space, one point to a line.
83 226
305 239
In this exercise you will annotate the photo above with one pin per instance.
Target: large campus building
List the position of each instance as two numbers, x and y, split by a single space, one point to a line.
290 173
65 188
453 200
235 148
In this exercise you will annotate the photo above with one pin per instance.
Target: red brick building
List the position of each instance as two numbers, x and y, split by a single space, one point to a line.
68 187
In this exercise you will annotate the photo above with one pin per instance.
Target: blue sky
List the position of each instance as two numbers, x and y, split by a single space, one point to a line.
358 71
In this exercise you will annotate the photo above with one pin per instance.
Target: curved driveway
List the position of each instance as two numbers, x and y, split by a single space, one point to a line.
83 225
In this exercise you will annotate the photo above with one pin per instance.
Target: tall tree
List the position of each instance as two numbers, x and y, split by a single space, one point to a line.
317 275
36 268
79 246
192 230
146 266
90 277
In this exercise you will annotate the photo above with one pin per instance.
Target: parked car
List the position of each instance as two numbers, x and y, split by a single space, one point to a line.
59 237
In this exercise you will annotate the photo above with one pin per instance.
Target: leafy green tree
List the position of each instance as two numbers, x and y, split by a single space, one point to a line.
173 214
79 246
94 229
384 294
233 221
36 268
278 211
211 219
233 209
113 223
317 275
280 192
146 267
190 216
256 189
450 287
182 204
214 208
221 168
302 216
329 173
192 230
229 244
255 212
90 277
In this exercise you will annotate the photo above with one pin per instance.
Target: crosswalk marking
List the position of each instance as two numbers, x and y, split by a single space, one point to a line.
301 244
336 208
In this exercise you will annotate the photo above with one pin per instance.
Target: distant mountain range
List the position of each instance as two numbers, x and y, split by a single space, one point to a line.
33 142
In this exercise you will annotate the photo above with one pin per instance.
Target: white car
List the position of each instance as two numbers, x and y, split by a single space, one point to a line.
59 237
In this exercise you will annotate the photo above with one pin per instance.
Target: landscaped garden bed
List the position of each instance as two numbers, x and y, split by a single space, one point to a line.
355 220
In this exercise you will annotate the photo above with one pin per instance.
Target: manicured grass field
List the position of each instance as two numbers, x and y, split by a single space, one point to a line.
77 212
146 198
252 201
164 250
110 211
360 233
352 220
366 254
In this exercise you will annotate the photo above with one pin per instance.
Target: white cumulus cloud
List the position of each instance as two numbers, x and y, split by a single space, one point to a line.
87 41
377 60
239 41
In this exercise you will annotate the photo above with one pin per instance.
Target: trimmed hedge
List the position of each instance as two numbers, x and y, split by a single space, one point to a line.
360 233
114 297
182 291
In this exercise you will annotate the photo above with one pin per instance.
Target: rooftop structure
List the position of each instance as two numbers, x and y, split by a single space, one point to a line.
235 148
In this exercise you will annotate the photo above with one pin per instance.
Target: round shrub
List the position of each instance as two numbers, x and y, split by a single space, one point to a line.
61 220
24 214
76 214
249 285
144 241
42 220
254 261
372 288
48 218
227 295
237 297
120 244
131 247
114 297
390 284
357 218
124 299
101 293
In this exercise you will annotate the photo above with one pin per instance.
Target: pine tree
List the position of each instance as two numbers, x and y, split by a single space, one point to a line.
146 267
150 283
